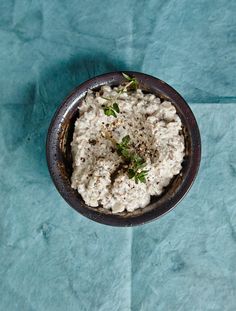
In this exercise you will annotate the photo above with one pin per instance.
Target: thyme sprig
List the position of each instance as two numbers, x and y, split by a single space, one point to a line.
136 163
112 108
133 82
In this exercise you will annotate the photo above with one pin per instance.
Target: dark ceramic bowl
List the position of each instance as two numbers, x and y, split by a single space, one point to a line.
60 162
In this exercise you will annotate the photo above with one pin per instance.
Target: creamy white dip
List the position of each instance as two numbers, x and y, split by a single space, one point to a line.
154 129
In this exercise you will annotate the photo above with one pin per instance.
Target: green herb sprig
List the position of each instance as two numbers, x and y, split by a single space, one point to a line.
112 108
123 149
138 176
133 82
136 163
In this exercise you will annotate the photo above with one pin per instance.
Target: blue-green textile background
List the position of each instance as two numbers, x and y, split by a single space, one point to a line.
51 258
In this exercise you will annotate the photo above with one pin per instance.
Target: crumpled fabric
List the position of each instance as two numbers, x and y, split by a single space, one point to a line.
51 257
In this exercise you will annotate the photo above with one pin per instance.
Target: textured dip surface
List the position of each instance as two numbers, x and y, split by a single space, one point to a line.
155 131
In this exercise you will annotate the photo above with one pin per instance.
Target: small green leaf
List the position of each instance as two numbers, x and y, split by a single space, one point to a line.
139 166
119 147
113 113
106 111
116 107
138 161
141 176
109 112
134 84
126 76
131 173
125 153
144 172
142 179
122 150
126 140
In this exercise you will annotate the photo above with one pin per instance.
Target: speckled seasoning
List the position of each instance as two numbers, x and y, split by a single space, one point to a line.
100 173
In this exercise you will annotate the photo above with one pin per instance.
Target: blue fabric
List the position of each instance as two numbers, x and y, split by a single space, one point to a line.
52 258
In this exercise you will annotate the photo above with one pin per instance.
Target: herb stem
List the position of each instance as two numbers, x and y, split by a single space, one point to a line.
112 109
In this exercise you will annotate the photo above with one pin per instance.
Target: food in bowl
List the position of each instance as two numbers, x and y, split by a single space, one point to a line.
127 146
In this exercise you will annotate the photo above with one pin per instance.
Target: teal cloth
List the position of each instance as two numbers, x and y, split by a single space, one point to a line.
52 258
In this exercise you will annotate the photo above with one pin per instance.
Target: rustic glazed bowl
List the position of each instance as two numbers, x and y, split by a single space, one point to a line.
59 158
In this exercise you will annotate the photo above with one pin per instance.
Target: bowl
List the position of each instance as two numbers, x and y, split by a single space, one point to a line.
59 159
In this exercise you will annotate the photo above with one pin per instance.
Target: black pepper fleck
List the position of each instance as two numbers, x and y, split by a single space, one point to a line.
92 141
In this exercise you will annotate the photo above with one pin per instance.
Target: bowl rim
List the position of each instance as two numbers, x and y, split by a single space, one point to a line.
52 150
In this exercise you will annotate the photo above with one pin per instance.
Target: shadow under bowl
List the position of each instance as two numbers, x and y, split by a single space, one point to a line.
59 157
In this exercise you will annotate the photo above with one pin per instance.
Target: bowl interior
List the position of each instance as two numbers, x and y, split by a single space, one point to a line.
60 159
